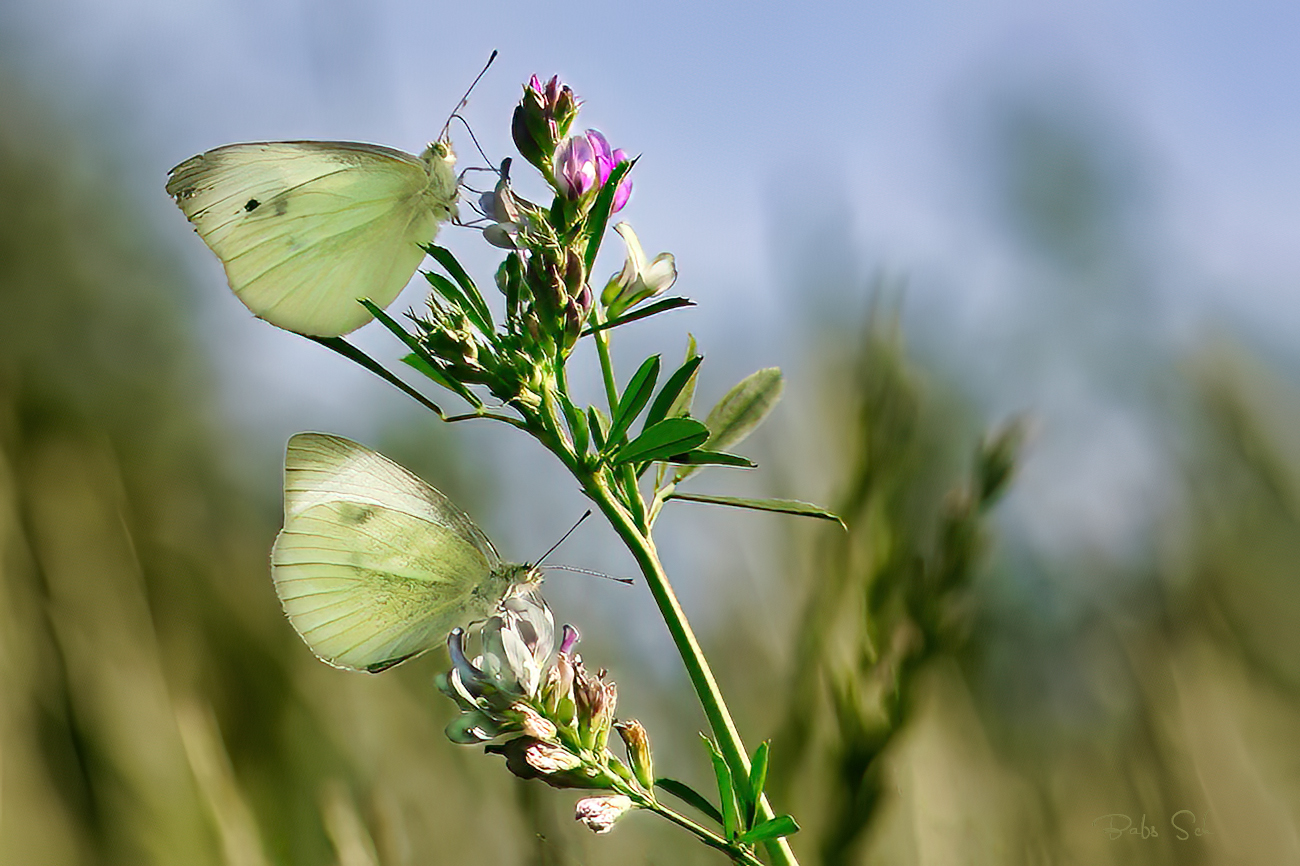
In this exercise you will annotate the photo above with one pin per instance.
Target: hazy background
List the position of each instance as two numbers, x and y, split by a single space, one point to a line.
1086 213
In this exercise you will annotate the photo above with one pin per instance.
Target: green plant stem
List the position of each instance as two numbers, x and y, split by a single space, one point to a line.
697 667
606 365
708 837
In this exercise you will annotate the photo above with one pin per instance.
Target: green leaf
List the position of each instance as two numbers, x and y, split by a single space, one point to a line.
682 405
672 389
418 350
700 457
757 779
634 398
352 353
598 216
744 408
689 795
726 791
782 506
773 828
577 424
421 363
669 437
480 308
598 424
641 313
627 479
444 287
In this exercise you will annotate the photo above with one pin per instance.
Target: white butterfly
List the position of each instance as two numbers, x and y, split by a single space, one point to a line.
306 228
373 565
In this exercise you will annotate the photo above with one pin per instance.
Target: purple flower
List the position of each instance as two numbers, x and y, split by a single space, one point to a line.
585 162
606 159
576 169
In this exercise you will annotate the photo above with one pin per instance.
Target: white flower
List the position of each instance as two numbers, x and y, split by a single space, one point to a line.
600 813
639 279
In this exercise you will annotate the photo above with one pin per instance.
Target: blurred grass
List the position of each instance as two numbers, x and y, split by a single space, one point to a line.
933 705
156 708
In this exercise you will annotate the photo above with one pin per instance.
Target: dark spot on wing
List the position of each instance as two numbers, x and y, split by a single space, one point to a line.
281 205
355 515
252 205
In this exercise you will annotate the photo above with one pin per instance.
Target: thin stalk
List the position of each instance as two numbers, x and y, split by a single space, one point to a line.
708 837
492 416
697 667
606 365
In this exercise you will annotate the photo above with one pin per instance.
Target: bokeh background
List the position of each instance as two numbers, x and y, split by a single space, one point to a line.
936 217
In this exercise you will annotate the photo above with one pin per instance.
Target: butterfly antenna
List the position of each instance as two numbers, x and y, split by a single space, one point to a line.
472 137
629 581
585 515
459 105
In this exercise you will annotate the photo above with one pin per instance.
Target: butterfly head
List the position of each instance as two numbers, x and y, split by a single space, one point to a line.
520 578
439 153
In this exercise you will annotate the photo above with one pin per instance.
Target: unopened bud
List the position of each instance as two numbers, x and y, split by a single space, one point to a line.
637 742
533 723
547 758
600 813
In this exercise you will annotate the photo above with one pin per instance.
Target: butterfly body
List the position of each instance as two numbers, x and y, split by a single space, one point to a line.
306 228
375 566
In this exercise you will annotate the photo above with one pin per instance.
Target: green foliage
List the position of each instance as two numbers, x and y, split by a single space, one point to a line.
639 313
468 298
741 410
600 210
634 398
670 437
669 401
780 506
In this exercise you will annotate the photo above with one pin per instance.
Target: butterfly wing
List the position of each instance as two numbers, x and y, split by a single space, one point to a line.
373 565
305 228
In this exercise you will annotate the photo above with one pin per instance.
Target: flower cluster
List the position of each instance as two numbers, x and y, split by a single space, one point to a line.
538 705
546 275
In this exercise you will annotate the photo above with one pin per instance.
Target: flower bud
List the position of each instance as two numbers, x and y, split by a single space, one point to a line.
546 282
555 765
564 106
595 700
575 273
533 723
548 758
637 742
600 813
529 147
542 119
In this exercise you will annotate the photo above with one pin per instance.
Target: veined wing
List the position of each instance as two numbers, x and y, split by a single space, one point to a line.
368 586
319 468
306 228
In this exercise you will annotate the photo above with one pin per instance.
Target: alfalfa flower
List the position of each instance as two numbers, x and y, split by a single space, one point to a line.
496 690
583 163
600 813
575 167
606 160
640 279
